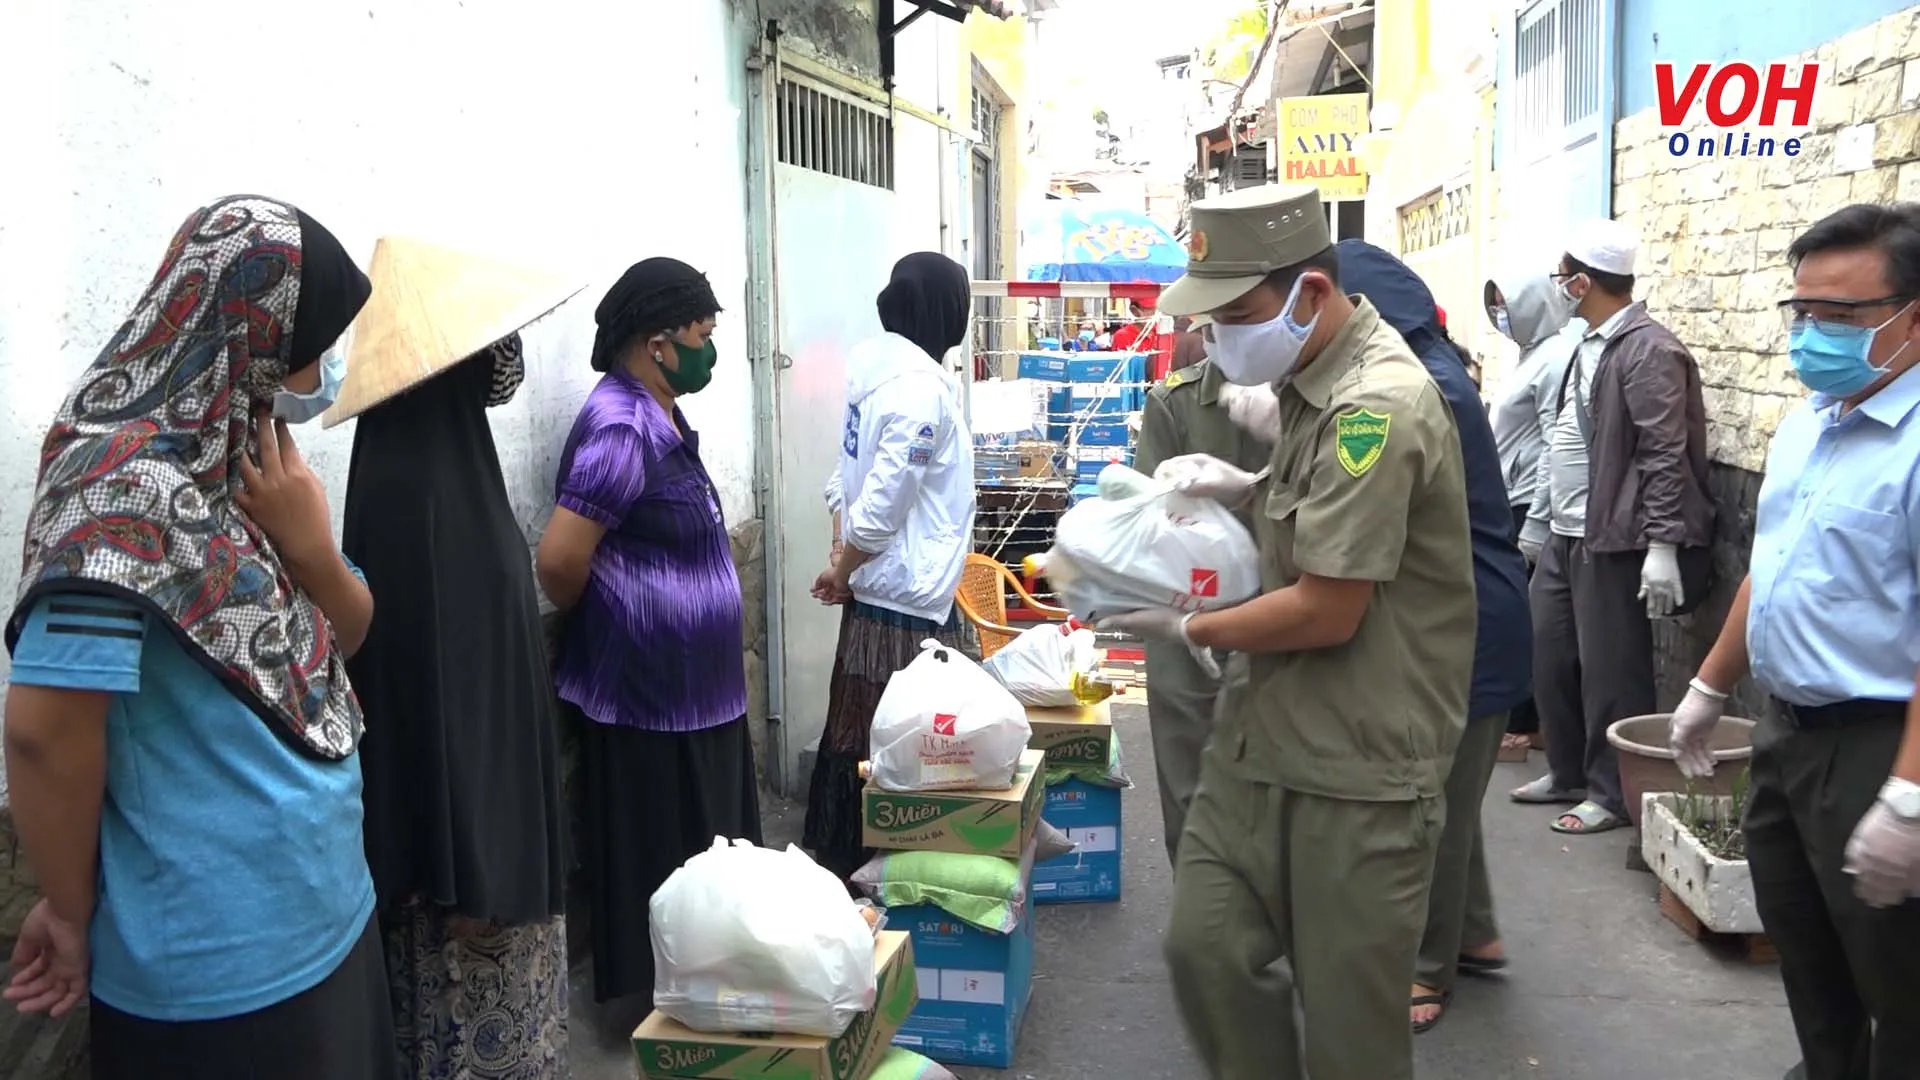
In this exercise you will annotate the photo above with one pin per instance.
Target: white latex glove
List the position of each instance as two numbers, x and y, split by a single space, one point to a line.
1884 858
1533 539
1161 624
1660 581
1206 477
1692 729
1253 409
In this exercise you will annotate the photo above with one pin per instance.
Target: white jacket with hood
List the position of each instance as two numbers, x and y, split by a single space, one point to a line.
904 487
1539 321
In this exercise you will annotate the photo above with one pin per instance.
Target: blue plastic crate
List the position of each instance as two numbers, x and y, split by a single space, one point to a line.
974 987
1044 366
1090 815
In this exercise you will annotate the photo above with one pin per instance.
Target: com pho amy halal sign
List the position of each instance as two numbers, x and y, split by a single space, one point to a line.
1319 143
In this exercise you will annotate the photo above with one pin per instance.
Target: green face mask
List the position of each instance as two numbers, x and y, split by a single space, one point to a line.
695 370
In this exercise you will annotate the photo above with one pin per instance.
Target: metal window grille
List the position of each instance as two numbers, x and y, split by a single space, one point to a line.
1249 167
1559 74
832 133
986 112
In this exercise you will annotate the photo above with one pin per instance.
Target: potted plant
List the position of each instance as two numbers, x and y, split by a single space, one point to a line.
1692 841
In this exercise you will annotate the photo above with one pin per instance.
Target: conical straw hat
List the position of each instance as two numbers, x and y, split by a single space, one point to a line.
431 308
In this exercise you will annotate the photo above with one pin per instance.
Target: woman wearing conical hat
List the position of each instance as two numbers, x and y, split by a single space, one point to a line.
464 816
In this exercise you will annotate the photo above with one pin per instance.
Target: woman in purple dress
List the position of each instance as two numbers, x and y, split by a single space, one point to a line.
652 664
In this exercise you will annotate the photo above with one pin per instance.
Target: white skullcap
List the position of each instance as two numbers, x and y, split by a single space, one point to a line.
1605 245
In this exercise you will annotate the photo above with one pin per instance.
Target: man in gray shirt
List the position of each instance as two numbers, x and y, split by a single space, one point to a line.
1625 469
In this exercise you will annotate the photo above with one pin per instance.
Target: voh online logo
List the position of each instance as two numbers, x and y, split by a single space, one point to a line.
1735 99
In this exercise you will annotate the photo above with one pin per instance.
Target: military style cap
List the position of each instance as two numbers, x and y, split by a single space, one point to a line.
1237 239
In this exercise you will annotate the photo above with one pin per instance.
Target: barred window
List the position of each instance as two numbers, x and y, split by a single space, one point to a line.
831 132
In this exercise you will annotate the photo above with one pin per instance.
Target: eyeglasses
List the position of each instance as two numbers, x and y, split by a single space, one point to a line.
1836 315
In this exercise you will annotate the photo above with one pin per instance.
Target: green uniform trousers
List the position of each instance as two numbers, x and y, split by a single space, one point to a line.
1180 703
1338 887
1852 972
1460 910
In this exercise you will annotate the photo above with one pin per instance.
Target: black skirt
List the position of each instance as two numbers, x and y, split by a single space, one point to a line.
652 800
341 1029
874 644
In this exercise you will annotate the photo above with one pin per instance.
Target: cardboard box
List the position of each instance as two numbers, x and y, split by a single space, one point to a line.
669 1051
968 822
1090 815
1051 367
1036 459
974 987
1082 735
1103 433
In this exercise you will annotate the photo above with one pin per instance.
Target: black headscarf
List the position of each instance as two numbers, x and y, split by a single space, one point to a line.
461 766
927 302
653 295
332 291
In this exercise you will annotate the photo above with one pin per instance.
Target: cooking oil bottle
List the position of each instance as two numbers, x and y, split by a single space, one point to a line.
1089 689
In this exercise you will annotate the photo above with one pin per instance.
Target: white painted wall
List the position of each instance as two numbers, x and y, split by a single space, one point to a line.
836 242
571 133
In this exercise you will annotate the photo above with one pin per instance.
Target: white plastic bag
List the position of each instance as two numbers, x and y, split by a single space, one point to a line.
945 724
1147 546
1039 666
749 939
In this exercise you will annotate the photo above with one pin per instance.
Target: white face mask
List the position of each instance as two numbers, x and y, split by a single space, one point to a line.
1262 353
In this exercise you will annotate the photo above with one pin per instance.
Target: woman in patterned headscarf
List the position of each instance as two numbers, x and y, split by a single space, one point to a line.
180 731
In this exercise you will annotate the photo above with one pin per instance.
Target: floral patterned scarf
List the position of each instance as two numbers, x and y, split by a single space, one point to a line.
137 473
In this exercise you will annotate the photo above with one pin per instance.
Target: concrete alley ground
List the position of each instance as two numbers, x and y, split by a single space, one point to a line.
1601 988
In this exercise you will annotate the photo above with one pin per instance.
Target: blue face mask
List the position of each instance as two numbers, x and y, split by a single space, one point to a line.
1832 359
297 408
1086 335
1502 321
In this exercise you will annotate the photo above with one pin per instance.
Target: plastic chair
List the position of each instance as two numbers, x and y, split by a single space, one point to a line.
983 600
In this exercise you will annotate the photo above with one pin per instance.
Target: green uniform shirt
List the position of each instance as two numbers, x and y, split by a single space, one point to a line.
1184 416
1367 485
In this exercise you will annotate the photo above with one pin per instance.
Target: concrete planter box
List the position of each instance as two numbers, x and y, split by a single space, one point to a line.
1718 891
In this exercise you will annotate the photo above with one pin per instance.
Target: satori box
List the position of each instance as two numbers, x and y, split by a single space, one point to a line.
974 987
1090 816
1080 735
667 1050
968 822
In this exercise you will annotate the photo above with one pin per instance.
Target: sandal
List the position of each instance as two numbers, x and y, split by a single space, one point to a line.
1541 792
1443 999
1593 818
1481 965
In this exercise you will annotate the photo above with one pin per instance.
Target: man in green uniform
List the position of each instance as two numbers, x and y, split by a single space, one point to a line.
1187 414
1319 809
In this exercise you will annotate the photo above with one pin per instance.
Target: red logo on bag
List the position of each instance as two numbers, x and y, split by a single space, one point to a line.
1205 583
943 723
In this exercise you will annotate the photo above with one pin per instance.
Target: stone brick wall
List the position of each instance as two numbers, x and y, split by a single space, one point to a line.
1714 233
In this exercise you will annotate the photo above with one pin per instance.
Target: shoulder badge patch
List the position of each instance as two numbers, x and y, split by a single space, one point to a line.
1177 378
1360 437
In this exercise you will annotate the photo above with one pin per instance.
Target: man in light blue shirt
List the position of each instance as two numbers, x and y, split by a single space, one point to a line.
1827 624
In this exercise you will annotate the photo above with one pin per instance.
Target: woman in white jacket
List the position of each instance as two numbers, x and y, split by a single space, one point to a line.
902 499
